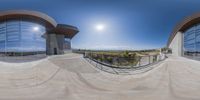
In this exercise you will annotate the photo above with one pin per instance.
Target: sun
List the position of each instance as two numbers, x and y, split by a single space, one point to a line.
100 27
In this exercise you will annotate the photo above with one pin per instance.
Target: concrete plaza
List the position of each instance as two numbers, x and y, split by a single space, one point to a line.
71 77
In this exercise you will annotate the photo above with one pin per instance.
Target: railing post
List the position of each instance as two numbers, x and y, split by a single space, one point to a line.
140 62
149 59
157 59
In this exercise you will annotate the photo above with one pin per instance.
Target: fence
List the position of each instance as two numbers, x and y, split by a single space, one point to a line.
141 63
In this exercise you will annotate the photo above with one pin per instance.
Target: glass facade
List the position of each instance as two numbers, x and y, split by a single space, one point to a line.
191 41
67 44
21 37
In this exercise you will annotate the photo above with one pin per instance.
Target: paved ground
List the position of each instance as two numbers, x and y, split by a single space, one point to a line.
70 77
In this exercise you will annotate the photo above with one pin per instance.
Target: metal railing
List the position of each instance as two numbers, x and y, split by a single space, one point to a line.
143 63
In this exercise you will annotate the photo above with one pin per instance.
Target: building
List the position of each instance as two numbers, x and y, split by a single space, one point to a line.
25 32
185 38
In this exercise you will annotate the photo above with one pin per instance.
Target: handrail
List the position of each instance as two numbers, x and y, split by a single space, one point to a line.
119 69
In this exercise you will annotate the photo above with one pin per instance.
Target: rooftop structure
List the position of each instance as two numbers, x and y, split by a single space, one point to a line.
185 38
24 32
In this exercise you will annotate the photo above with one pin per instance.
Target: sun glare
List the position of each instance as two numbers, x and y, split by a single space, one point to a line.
36 28
100 27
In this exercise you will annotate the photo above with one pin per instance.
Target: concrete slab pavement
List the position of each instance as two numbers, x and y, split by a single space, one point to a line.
69 77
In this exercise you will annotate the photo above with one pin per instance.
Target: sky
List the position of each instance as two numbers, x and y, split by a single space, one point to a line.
127 24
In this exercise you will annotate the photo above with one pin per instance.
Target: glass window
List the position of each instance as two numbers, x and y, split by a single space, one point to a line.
191 43
67 44
22 36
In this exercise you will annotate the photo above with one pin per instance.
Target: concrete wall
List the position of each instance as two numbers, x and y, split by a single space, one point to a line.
60 41
177 44
54 41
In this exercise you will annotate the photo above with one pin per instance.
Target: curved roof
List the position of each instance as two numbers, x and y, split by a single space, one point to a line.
184 25
33 14
68 30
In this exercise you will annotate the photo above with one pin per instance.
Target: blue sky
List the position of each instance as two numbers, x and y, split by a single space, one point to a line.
129 24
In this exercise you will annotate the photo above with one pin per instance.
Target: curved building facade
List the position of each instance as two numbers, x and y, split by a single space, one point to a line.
185 39
25 32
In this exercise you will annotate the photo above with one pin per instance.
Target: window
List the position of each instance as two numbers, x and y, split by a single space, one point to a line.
22 36
191 42
67 44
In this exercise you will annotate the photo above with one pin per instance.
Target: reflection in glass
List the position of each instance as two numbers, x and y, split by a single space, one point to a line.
67 44
21 37
191 43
